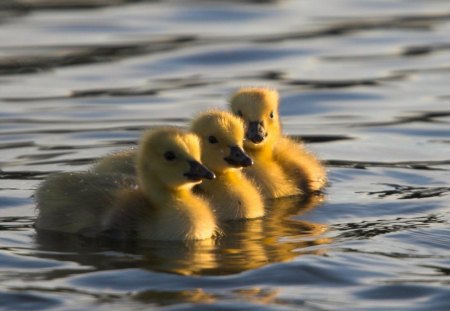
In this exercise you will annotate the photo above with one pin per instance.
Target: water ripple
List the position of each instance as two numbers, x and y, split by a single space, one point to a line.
369 229
409 192
415 165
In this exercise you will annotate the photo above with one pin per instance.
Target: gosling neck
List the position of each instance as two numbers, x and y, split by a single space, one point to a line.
227 173
261 152
223 177
155 191
265 151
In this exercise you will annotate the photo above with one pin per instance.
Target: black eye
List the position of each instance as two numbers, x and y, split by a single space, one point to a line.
169 155
271 115
240 113
212 140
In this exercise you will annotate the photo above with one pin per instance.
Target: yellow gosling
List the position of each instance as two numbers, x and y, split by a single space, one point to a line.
232 194
161 207
262 133
282 167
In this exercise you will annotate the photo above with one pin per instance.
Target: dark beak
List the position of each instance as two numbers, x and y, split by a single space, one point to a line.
198 172
256 132
238 157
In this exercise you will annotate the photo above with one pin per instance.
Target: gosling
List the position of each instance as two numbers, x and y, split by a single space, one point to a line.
283 167
232 194
161 206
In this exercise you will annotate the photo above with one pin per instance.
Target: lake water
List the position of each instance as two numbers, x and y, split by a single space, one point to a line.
365 83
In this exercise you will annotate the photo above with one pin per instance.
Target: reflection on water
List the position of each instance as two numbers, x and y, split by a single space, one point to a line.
244 245
363 83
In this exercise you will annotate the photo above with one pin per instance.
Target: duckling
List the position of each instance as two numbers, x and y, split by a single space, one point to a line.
232 194
161 206
282 167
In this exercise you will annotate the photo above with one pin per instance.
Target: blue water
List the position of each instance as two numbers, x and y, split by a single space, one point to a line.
364 83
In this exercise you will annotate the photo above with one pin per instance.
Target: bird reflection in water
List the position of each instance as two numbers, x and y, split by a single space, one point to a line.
245 245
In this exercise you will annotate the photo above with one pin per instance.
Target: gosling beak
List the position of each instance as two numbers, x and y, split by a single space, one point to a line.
238 157
198 172
256 132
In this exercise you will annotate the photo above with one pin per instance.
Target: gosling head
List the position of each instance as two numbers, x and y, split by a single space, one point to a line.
171 157
222 136
258 108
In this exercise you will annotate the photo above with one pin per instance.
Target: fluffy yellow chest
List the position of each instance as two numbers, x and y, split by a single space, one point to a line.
233 196
179 217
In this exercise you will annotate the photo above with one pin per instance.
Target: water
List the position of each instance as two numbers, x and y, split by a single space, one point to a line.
365 83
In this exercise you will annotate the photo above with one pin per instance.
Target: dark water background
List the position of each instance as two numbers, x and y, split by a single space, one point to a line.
365 83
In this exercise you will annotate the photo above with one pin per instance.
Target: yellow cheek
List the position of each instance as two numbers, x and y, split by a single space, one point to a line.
270 122
222 151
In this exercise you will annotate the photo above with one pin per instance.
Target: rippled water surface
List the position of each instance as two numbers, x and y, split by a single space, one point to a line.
365 83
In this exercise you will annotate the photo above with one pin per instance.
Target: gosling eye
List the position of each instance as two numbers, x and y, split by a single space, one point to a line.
169 156
271 115
212 140
240 113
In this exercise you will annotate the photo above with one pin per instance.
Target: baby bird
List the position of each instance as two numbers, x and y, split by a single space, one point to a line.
282 167
232 195
161 206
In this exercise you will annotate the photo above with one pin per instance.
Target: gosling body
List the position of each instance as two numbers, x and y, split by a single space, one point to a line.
233 196
300 164
76 202
122 162
270 176
169 217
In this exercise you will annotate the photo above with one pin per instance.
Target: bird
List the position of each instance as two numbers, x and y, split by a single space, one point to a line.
232 195
158 204
283 167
